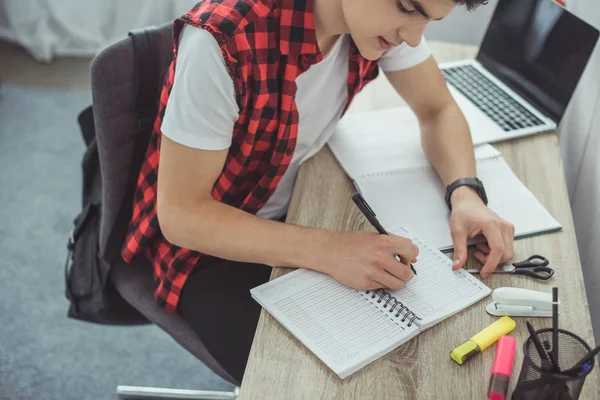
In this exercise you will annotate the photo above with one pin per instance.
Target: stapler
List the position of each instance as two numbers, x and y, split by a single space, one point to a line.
517 302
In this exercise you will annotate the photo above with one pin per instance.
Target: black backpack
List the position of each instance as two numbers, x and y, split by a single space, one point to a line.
92 296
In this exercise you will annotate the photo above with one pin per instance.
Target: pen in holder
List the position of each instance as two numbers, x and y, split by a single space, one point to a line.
540 379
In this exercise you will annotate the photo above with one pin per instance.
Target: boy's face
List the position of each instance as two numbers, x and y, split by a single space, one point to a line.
376 25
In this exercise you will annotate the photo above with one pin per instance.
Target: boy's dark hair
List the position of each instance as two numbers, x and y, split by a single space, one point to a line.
471 4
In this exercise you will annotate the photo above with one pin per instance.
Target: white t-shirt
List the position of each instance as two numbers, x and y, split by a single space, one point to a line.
201 111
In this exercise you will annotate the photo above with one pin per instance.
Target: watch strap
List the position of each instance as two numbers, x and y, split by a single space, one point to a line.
475 183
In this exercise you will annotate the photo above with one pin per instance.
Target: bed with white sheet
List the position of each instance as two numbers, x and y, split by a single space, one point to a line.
50 28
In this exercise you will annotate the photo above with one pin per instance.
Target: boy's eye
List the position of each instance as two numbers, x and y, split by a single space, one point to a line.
404 9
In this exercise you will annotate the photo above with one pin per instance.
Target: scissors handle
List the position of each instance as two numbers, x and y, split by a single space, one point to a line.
535 267
533 261
542 273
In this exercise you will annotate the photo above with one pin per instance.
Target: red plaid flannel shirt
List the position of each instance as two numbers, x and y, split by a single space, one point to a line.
266 45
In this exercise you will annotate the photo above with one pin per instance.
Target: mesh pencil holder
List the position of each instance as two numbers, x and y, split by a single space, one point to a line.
536 383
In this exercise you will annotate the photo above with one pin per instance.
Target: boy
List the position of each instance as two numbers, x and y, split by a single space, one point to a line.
255 89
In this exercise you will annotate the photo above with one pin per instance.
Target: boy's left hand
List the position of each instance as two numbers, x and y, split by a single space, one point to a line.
470 217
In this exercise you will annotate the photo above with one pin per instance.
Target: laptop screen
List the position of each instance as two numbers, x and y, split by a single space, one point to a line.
539 50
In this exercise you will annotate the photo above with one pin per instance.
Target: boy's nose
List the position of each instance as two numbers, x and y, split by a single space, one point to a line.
413 35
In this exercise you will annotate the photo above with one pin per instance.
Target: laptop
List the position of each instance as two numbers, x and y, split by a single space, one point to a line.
528 66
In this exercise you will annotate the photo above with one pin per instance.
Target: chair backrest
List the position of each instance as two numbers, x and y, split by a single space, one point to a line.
115 119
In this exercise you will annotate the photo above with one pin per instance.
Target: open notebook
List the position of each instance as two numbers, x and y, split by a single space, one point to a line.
389 168
348 328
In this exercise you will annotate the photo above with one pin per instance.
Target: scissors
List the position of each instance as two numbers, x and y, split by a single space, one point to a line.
535 267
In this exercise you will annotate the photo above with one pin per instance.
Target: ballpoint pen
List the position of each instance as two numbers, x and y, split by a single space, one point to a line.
368 212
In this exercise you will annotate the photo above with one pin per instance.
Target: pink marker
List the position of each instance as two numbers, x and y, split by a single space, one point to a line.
502 368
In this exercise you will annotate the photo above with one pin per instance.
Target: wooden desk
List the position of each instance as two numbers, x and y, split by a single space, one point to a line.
280 367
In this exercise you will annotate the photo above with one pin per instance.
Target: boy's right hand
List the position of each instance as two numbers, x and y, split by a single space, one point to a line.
367 260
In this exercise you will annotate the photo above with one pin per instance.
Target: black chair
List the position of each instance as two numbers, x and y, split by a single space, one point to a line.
113 88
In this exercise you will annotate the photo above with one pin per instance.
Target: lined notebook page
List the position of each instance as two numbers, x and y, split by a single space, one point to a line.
338 324
437 292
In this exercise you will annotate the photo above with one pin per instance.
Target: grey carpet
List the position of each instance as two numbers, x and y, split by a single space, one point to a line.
44 354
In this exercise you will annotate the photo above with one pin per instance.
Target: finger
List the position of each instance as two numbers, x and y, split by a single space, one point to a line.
399 270
481 257
407 261
389 280
508 237
405 248
374 285
496 244
459 238
484 248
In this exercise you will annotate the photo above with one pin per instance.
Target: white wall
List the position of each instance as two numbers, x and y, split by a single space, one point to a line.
462 26
579 135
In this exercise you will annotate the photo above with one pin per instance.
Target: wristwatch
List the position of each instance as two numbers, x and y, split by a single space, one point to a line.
472 182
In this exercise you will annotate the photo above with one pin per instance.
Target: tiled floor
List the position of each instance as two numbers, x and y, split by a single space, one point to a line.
19 68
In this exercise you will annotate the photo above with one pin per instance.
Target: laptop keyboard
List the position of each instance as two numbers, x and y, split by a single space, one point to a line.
490 99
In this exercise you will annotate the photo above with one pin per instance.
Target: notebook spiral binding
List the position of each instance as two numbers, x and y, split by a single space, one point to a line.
424 168
395 302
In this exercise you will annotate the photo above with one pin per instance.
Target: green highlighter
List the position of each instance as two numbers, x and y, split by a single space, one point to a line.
482 340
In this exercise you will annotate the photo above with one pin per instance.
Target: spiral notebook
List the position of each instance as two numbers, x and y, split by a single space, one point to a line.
389 168
348 328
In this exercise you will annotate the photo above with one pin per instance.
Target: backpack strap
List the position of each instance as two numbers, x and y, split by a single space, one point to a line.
86 125
146 82
146 90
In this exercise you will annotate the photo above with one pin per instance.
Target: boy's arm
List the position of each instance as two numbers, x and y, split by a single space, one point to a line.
189 217
445 135
447 143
